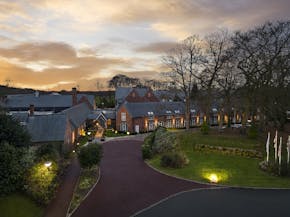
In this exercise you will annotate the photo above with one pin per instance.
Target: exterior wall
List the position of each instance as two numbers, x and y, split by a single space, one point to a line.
149 96
128 121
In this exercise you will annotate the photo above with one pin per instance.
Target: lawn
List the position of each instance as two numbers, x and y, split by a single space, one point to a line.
18 205
230 169
188 139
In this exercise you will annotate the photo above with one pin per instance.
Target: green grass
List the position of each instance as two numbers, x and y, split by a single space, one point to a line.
110 133
18 205
230 169
188 139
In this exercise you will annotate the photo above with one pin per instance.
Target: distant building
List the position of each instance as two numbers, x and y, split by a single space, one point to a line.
134 95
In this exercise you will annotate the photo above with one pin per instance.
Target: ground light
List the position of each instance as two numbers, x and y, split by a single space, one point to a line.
128 133
215 175
213 178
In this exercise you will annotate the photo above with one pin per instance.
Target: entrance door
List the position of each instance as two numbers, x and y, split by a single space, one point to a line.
137 128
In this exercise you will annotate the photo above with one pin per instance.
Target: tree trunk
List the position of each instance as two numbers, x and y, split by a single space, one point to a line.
187 113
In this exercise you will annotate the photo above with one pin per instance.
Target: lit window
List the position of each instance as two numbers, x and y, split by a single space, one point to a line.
150 113
177 111
123 116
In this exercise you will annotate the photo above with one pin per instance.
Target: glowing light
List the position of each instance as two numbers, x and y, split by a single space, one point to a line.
47 164
128 133
116 131
213 178
74 151
89 133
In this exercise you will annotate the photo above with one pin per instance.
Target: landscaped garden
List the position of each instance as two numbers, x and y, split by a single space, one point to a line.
225 159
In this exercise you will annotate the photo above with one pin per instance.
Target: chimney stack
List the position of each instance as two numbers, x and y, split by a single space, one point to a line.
74 96
31 110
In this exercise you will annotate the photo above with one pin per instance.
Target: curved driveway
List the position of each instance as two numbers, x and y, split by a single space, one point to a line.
224 202
127 184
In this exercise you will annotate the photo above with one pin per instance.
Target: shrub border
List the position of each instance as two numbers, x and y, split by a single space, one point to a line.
72 212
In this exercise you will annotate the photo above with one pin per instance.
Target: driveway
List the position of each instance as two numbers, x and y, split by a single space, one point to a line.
224 202
127 184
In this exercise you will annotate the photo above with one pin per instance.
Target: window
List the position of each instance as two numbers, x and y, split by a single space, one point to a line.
123 127
177 112
168 112
178 123
150 113
123 116
151 125
169 123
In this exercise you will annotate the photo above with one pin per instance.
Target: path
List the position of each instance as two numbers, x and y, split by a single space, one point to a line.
127 184
224 202
59 205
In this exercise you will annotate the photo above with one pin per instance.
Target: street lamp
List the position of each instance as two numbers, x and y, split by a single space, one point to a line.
47 164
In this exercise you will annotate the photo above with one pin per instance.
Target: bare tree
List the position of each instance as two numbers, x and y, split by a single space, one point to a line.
216 55
184 63
264 60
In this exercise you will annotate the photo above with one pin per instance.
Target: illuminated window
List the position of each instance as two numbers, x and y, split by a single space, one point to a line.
123 116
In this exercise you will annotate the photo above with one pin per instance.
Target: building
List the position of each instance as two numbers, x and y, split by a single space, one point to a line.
134 95
53 102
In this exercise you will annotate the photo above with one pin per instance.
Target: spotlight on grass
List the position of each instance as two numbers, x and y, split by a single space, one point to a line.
213 178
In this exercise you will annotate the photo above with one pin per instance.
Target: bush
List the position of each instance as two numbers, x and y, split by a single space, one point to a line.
41 182
146 152
90 155
11 168
47 152
253 132
174 160
164 141
204 128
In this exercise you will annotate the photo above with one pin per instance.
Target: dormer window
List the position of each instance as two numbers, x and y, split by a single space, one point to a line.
177 112
133 94
168 112
149 94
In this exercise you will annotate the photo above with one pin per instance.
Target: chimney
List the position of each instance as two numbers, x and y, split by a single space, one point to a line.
36 93
74 96
31 110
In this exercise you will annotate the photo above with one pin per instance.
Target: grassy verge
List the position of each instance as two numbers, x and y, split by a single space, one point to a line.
231 170
87 180
18 205
110 133
188 139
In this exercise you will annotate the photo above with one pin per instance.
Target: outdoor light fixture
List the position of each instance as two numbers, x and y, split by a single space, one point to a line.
213 178
89 133
47 164
116 132
78 143
128 133
74 151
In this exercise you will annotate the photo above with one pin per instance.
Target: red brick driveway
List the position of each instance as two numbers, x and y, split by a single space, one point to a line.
127 184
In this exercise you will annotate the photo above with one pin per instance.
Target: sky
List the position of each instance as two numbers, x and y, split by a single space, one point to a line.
60 44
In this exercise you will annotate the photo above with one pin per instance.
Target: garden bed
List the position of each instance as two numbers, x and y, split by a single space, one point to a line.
87 180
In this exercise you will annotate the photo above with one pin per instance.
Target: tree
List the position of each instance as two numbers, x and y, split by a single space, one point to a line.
184 63
12 132
11 168
216 55
90 155
264 61
123 81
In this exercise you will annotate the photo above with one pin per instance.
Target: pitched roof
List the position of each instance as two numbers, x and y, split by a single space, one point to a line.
47 128
53 100
122 92
77 114
158 108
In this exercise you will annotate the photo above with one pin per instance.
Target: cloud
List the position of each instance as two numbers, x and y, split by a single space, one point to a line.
156 47
50 64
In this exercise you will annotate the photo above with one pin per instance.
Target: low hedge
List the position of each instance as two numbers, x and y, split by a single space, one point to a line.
230 151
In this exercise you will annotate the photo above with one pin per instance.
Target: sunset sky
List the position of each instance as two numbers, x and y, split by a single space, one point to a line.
57 44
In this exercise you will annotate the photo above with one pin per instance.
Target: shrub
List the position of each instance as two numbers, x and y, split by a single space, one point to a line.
204 128
47 152
90 155
174 160
11 168
164 141
41 182
253 132
146 152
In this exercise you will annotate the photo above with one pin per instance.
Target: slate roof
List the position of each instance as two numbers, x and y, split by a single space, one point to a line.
122 92
77 114
158 108
43 101
47 128
109 114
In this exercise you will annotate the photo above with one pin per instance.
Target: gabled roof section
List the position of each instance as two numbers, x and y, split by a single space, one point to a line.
43 100
47 128
77 114
122 92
